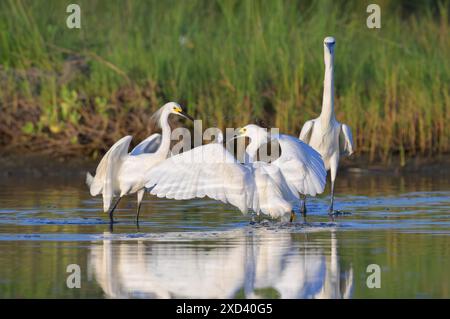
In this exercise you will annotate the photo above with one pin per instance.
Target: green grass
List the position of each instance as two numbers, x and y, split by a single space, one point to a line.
230 62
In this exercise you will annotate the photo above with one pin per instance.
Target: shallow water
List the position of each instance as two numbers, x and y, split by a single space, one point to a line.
203 249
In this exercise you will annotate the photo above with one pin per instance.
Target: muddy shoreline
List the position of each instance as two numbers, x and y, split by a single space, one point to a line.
38 166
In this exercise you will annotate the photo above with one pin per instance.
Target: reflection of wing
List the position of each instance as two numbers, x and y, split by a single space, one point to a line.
346 145
208 170
293 275
305 133
149 145
258 264
301 166
105 180
152 269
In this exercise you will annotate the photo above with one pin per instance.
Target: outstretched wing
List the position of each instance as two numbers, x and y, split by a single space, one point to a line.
149 145
305 133
208 170
105 180
301 166
89 179
346 145
273 195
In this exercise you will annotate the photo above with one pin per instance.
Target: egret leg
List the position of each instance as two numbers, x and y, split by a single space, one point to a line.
334 163
331 210
111 219
303 208
140 195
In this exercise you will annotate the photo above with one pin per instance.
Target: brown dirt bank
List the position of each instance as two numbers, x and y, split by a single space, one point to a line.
39 166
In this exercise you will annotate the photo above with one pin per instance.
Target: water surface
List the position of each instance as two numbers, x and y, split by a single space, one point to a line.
204 249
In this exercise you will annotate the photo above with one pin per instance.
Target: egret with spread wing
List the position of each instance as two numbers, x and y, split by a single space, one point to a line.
325 134
210 170
121 173
149 145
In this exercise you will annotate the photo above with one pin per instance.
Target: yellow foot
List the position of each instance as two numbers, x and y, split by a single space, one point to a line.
292 217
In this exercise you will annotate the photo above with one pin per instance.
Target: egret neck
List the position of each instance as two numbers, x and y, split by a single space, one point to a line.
327 114
250 152
164 148
256 140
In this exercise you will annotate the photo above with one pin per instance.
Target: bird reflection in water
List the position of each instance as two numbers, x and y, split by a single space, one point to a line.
247 265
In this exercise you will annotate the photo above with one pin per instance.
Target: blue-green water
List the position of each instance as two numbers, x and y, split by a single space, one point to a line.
204 249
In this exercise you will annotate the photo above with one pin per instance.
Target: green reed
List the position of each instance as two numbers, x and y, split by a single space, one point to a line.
233 62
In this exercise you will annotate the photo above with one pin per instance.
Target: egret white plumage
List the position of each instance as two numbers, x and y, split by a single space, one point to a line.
325 134
210 170
120 173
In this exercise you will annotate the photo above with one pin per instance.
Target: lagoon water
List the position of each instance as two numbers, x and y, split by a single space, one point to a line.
204 249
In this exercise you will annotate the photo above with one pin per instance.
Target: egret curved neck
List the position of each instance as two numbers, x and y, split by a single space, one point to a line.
327 114
251 152
252 148
164 148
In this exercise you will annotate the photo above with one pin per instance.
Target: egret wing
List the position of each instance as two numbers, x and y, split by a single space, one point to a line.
208 170
273 195
149 145
346 145
105 180
89 179
305 133
301 166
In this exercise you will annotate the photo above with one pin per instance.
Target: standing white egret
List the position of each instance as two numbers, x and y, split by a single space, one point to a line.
325 134
120 173
210 170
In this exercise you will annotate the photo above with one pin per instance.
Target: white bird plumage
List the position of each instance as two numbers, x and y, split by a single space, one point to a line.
120 173
210 170
149 145
325 134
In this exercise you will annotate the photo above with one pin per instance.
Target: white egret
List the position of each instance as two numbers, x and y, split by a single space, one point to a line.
325 134
120 173
210 170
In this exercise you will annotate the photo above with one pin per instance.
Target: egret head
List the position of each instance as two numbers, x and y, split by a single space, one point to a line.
175 108
160 117
329 44
254 132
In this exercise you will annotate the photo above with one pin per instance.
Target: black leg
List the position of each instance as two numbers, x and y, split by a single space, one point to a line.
331 210
140 196
303 208
111 219
137 213
332 198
